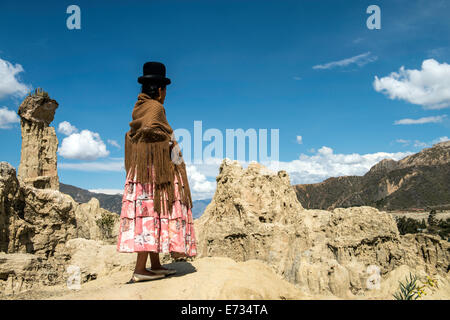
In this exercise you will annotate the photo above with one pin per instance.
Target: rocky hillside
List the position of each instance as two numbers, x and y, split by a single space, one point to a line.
419 181
110 202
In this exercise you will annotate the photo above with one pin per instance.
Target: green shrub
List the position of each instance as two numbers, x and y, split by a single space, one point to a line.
407 289
444 229
432 221
106 224
414 288
409 225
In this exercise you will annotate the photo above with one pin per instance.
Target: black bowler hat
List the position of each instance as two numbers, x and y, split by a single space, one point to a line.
154 72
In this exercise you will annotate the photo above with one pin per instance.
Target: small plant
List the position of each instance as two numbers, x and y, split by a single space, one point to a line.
106 224
408 289
414 288
432 221
39 92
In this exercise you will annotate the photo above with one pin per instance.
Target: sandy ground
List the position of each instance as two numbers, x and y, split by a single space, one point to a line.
213 278
205 278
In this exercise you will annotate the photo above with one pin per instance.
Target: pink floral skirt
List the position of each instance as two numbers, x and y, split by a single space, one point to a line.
142 229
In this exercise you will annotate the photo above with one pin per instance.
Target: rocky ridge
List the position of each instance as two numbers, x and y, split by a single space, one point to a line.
419 181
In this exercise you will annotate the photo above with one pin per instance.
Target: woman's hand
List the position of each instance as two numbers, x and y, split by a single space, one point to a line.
175 153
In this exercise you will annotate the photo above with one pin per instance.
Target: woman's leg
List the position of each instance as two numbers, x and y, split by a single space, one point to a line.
141 261
154 260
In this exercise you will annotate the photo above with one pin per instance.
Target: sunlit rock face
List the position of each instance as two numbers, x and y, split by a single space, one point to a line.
255 214
35 227
38 162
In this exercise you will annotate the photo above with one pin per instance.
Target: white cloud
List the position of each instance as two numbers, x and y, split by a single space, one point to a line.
297 78
9 84
414 143
423 120
200 187
441 139
325 163
107 191
86 145
8 118
113 165
322 164
299 139
359 60
66 128
113 143
403 141
422 144
428 87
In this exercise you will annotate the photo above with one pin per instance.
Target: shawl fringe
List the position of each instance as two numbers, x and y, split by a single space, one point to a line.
141 156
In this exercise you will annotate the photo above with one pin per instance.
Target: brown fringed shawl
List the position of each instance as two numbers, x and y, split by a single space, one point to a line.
149 142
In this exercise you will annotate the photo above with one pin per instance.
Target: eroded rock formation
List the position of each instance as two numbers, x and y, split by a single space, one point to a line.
94 222
36 219
38 162
255 215
35 226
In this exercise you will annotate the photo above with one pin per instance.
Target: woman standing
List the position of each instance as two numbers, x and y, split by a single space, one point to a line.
156 214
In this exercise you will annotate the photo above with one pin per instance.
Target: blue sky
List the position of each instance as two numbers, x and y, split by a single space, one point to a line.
306 68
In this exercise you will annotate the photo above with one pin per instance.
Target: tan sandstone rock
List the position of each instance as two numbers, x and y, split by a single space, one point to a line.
38 163
9 200
96 259
255 215
33 220
38 223
206 278
20 272
96 223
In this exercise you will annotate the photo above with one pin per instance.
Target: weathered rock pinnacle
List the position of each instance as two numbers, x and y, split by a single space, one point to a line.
38 163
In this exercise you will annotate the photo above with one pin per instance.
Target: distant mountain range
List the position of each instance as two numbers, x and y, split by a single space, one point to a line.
113 202
419 181
110 202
